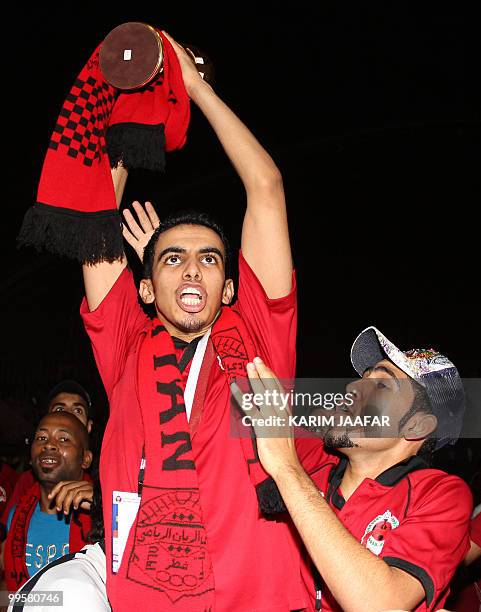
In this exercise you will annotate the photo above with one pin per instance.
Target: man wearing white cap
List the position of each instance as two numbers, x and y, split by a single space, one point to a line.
382 528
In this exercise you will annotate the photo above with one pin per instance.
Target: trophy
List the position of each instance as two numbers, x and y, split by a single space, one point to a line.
132 55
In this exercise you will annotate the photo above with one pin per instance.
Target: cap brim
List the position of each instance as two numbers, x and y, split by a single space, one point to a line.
370 347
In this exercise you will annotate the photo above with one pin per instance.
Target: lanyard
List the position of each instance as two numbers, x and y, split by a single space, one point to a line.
194 372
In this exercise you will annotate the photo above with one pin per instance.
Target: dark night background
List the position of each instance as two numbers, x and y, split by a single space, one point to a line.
371 113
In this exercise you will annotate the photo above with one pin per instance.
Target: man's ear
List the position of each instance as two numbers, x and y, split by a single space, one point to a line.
228 293
87 459
146 291
420 426
90 424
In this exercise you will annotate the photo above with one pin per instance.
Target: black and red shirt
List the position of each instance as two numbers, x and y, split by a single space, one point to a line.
413 517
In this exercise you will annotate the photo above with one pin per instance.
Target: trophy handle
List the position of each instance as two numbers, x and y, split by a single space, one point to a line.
202 62
132 55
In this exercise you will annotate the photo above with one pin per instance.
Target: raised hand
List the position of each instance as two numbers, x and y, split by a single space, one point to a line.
268 413
137 235
72 494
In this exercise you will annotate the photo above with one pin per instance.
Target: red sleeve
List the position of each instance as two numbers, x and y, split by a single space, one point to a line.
272 323
433 538
475 529
113 328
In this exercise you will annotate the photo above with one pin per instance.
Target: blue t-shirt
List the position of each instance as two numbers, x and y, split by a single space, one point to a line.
47 538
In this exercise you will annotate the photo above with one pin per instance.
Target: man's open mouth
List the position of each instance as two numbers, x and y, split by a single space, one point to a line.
48 461
191 298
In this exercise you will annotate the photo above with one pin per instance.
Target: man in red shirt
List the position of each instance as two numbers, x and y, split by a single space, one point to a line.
66 396
383 530
200 526
37 529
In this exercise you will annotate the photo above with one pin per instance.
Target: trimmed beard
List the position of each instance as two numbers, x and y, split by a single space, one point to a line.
334 441
191 325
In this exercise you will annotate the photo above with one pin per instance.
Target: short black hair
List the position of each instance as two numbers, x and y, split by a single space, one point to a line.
421 403
70 386
186 217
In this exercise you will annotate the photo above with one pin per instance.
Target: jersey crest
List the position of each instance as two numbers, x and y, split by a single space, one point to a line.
377 530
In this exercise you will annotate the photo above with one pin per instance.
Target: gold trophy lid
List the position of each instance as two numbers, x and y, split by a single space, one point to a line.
131 55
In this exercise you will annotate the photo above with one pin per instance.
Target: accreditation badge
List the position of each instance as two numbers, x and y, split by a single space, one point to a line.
125 505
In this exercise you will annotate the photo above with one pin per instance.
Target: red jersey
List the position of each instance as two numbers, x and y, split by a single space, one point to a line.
413 517
239 538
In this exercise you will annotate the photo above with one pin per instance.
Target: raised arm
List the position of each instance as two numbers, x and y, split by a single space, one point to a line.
100 278
265 237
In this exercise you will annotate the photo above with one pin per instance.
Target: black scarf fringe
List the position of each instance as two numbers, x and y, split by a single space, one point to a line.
86 237
269 498
137 146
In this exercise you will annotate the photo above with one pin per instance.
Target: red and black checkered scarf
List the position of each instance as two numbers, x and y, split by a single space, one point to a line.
76 214
16 572
167 564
